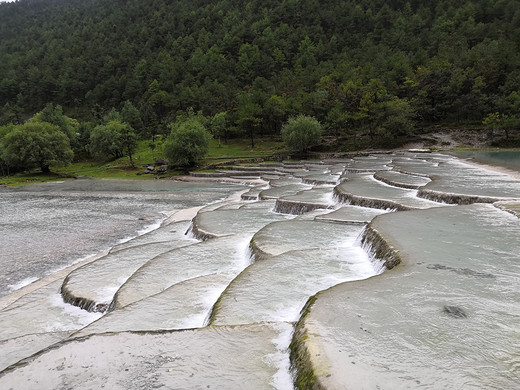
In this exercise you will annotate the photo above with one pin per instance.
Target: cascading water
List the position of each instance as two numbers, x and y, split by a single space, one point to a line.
195 311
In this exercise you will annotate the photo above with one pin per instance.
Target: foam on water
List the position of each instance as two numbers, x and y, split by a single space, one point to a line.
147 229
329 198
21 284
283 379
244 256
301 258
208 300
106 294
83 317
377 265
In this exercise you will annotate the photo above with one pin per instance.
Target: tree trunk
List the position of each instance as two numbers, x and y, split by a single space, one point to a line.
252 138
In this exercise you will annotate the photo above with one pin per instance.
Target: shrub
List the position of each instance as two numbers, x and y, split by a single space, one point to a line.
36 145
114 139
187 143
301 133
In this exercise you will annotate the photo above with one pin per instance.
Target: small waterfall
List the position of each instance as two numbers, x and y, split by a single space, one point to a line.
318 182
383 255
346 171
306 375
379 176
256 253
451 198
251 257
247 196
83 303
384 204
197 232
284 206
300 355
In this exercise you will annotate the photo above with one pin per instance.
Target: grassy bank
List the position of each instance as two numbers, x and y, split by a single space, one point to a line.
144 156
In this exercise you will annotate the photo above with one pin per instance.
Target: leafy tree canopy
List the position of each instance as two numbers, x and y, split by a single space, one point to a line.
114 139
53 114
341 62
35 145
187 143
301 133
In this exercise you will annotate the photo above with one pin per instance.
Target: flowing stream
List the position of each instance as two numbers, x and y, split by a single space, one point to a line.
381 271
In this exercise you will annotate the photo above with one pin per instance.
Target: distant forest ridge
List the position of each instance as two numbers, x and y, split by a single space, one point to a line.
378 67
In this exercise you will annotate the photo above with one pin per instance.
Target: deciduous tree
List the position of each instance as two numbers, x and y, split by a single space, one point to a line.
114 139
187 143
36 145
301 133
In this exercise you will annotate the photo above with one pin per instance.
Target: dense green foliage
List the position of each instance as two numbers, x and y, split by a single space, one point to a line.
187 143
114 139
354 66
301 133
34 145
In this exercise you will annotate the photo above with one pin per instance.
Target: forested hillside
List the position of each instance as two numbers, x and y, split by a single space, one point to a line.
372 68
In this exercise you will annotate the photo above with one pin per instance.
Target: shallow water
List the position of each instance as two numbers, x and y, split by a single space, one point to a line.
280 237
45 227
97 282
507 158
260 293
307 200
216 357
401 179
351 214
215 307
446 318
42 312
284 190
184 305
460 178
366 191
226 255
222 222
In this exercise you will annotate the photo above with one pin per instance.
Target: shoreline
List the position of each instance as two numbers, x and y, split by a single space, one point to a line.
490 167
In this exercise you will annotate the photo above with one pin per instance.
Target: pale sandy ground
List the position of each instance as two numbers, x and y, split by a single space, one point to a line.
495 168
512 207
446 140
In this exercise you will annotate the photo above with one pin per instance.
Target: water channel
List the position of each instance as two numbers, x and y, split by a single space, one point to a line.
380 271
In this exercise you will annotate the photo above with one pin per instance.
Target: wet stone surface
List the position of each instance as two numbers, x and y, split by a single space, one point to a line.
205 280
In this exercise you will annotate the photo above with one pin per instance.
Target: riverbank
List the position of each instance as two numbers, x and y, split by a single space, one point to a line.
149 166
495 168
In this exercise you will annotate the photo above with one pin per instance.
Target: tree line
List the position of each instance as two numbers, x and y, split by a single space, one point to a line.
52 138
371 71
